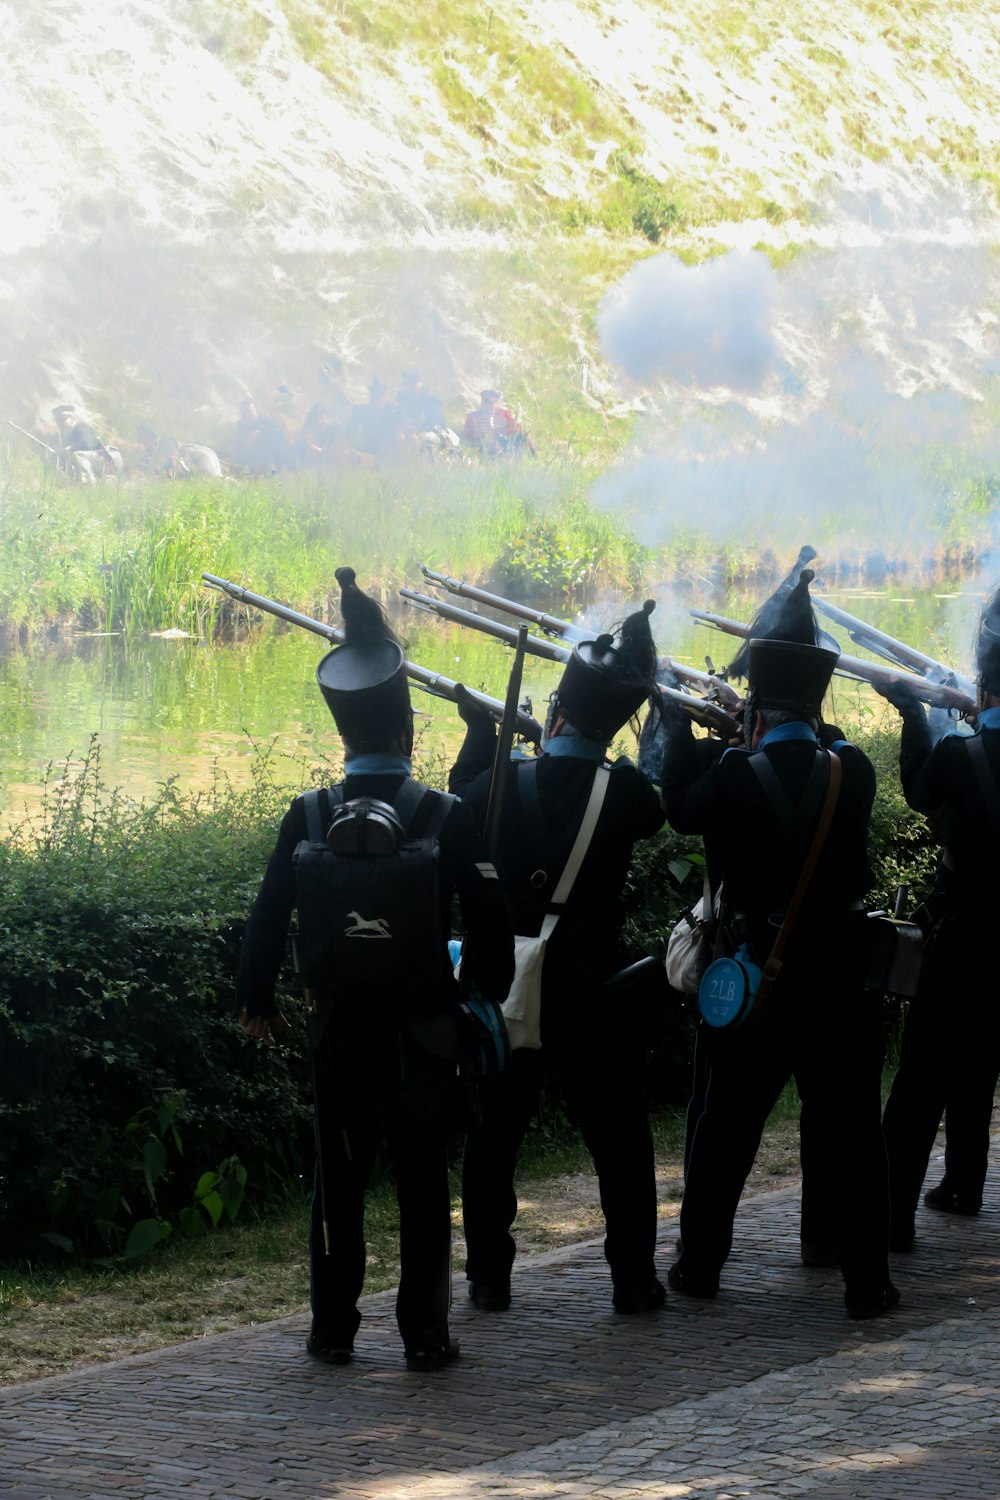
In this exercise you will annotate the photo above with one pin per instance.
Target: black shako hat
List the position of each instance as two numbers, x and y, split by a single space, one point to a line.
364 680
790 676
988 645
786 615
604 683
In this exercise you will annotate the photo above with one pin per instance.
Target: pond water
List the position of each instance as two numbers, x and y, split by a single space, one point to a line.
196 711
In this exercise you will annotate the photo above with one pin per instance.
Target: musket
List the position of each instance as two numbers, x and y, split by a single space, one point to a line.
431 682
547 623
705 682
547 650
937 694
501 759
31 436
703 710
877 641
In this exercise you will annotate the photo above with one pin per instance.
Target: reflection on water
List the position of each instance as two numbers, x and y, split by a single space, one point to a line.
193 710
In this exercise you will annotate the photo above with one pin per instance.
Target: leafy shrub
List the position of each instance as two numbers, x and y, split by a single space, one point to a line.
130 1106
123 1079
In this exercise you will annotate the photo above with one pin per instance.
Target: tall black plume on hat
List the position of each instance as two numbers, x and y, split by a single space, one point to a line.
787 615
988 645
364 618
636 647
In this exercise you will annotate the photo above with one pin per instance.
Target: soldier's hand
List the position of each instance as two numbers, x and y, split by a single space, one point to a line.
901 694
259 1027
470 711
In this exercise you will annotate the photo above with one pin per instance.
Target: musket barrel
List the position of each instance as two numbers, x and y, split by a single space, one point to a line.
549 623
24 433
272 607
434 682
937 694
882 644
547 650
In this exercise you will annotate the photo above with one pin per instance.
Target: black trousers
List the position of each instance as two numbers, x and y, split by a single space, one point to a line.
597 1075
817 1207
831 1043
360 1105
949 1065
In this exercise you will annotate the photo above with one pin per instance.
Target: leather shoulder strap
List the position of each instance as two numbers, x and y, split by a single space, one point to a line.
984 777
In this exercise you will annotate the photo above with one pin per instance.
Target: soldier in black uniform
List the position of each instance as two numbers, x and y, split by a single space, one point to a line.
382 1070
588 1047
950 1057
819 1025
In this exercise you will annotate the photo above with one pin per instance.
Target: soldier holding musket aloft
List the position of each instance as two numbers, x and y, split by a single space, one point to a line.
759 810
582 1040
950 1057
388 1021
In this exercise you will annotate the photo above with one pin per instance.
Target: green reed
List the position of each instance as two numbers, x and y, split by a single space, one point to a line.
130 557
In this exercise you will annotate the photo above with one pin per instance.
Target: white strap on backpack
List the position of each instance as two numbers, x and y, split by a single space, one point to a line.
523 1007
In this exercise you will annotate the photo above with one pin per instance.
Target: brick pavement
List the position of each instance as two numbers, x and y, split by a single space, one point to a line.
770 1391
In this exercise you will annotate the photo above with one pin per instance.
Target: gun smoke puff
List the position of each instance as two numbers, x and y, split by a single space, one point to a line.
707 325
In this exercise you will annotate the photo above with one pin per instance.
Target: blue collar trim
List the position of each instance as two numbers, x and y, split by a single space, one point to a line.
378 763
990 718
793 731
575 745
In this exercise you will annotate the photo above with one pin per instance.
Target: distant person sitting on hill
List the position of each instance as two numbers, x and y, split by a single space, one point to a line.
260 443
375 428
317 437
81 451
419 409
494 430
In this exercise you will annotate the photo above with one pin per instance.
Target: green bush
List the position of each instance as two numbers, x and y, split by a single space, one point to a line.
123 1079
130 1106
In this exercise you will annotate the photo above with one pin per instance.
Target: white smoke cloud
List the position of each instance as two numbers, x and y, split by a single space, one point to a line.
854 389
706 325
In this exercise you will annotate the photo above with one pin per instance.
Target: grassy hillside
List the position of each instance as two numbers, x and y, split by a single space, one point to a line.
212 197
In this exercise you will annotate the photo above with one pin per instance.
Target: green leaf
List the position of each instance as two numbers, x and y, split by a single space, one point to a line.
154 1161
212 1204
191 1222
59 1240
680 869
144 1235
232 1193
206 1182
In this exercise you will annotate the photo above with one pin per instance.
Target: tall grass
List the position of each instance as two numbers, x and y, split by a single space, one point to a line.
130 558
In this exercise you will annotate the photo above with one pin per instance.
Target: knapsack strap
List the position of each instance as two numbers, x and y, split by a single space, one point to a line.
592 813
772 968
791 816
984 776
410 798
315 831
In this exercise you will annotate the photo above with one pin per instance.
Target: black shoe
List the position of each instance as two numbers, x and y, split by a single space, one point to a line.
691 1284
425 1360
490 1296
330 1351
871 1305
815 1253
948 1202
646 1297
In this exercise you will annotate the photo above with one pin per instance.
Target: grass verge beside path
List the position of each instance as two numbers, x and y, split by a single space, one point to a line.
57 1320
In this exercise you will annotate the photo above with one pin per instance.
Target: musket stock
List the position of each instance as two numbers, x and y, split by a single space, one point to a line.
937 694
434 683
